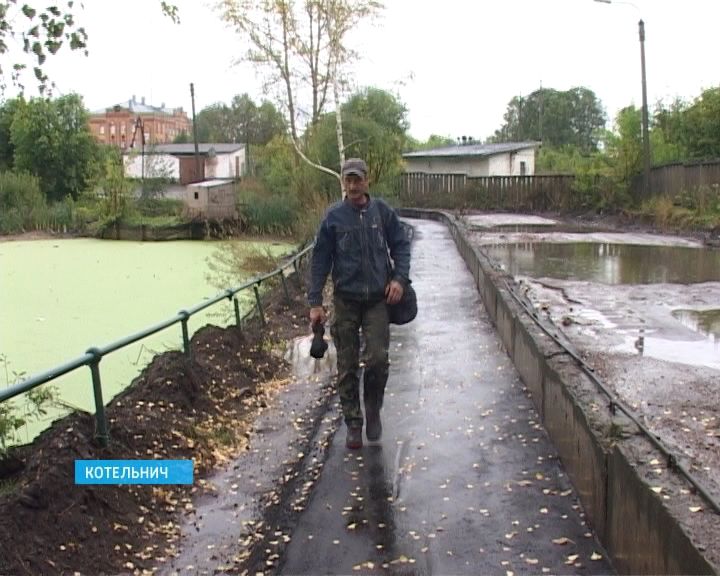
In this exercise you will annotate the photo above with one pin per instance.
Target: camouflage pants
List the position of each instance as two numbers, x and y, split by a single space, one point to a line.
372 318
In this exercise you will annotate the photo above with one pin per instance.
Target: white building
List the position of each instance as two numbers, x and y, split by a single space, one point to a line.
177 162
475 160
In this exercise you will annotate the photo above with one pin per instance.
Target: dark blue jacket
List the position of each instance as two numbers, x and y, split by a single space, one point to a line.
353 243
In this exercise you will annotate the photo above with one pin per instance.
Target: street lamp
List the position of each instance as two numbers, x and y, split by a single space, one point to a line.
645 128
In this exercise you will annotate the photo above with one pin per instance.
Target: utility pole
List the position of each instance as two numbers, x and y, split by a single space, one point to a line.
646 131
518 134
645 123
195 136
140 125
540 119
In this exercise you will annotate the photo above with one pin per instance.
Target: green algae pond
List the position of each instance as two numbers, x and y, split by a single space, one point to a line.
60 297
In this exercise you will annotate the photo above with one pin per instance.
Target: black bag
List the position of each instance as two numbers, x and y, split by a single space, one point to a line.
405 310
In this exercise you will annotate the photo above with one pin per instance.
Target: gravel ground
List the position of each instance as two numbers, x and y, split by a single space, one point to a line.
663 370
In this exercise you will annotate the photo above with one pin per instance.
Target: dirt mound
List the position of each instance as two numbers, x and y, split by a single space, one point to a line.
177 408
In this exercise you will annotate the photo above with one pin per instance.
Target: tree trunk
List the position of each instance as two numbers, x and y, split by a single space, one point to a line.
338 123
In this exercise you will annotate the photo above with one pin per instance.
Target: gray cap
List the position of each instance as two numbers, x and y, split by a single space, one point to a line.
355 166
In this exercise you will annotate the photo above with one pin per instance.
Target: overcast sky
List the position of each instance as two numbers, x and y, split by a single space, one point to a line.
454 63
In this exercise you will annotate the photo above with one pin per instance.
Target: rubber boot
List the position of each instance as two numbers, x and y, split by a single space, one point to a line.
354 438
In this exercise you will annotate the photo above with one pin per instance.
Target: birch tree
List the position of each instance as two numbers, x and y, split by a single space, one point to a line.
28 35
32 31
301 47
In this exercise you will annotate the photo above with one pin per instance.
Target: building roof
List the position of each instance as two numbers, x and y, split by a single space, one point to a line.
188 149
210 183
475 150
136 107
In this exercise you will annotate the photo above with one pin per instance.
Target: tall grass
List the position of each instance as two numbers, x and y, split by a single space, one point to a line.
270 215
23 208
666 212
158 212
22 204
289 214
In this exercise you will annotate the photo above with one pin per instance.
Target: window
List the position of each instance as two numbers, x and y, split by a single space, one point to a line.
523 169
196 195
102 130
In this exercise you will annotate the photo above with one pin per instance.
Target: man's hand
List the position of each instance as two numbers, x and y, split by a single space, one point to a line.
317 315
394 292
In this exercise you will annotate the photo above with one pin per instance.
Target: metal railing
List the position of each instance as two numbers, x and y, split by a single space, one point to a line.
94 355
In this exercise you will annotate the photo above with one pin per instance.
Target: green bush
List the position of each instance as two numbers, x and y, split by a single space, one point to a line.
11 221
21 202
665 212
61 215
160 207
387 190
274 214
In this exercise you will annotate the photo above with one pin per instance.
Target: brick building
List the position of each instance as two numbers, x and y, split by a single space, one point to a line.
117 124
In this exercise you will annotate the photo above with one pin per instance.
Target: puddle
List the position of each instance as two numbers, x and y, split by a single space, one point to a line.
706 322
294 424
608 263
304 365
701 350
695 353
499 219
519 228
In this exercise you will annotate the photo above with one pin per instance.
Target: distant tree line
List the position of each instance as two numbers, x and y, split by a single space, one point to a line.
575 120
571 118
49 141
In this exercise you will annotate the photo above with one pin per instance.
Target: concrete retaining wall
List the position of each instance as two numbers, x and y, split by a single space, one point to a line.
605 454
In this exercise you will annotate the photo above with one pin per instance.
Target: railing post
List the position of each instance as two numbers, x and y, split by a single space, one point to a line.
297 273
237 313
101 431
285 288
186 336
259 305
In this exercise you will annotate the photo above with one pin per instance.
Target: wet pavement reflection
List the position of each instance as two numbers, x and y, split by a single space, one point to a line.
703 321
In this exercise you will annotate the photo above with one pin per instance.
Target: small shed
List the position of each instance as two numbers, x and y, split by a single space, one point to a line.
475 160
213 199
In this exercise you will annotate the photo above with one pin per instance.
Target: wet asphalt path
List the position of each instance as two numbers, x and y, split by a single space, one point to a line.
465 480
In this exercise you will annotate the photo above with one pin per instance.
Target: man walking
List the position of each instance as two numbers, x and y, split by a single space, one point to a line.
353 242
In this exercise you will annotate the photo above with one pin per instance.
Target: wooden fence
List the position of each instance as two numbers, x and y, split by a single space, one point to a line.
690 179
695 185
549 192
